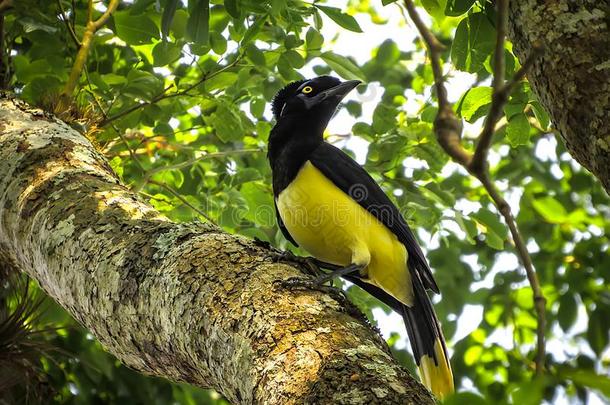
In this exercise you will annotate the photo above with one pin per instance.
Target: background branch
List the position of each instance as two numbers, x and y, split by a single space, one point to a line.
5 5
448 131
85 45
165 95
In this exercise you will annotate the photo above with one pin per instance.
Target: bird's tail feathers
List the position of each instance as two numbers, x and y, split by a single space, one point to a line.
428 343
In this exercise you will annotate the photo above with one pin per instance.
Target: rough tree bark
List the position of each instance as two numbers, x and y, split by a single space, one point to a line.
572 79
183 301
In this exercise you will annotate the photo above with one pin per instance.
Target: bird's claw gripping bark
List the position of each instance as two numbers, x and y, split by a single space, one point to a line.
309 264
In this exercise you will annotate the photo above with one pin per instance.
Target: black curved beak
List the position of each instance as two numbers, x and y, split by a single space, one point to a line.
341 90
336 93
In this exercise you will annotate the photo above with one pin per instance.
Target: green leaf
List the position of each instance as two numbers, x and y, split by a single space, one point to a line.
475 103
220 81
260 203
518 130
386 2
568 310
459 46
467 225
232 8
550 209
473 43
597 332
388 53
384 118
513 108
292 41
587 378
528 393
245 175
179 23
465 398
313 39
142 84
226 123
490 221
541 114
317 20
257 107
165 53
294 58
117 166
493 240
218 43
253 29
455 8
135 29
255 55
344 20
436 8
343 66
168 16
30 25
198 24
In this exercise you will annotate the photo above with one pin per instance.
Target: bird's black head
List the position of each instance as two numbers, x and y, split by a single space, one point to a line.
302 110
311 101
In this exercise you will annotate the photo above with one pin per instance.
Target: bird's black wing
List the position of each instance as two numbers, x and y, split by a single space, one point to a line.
353 180
280 223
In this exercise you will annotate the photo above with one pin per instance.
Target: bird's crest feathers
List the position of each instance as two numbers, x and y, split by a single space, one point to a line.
280 98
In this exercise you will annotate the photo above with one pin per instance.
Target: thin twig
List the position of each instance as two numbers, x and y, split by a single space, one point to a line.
66 21
448 131
192 161
500 95
181 198
164 95
532 276
446 125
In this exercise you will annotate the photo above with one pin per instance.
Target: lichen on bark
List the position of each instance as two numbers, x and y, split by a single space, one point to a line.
187 302
572 79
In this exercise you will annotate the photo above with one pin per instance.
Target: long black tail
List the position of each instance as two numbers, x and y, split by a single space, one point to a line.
428 342
425 334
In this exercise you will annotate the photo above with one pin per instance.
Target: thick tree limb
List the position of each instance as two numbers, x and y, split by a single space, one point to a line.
448 131
572 79
183 301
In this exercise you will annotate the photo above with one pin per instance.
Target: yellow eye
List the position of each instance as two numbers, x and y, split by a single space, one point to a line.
307 89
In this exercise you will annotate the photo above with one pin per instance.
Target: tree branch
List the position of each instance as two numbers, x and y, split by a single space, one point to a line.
448 132
5 5
500 96
83 51
184 200
192 161
69 26
165 95
447 127
187 302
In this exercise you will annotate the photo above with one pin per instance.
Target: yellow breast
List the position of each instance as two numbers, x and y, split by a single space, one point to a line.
334 228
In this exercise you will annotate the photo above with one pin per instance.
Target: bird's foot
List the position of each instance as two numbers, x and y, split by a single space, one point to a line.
309 264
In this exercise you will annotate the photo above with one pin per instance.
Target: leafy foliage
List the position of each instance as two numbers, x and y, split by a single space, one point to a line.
184 87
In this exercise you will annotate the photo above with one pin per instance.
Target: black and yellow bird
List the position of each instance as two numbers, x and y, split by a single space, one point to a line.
330 206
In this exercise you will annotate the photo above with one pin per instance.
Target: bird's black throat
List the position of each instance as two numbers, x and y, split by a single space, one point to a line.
291 142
